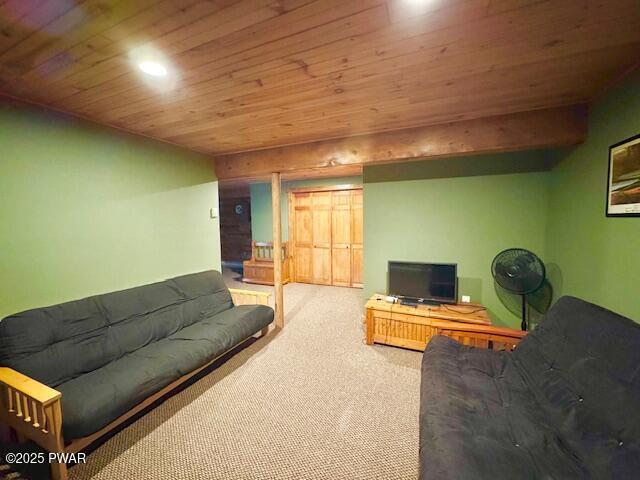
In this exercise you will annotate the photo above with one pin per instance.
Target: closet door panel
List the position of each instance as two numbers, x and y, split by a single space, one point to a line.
341 239
321 214
357 258
303 238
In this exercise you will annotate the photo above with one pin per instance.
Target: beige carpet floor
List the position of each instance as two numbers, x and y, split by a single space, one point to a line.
310 402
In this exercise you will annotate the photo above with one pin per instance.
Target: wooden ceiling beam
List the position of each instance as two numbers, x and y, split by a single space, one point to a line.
557 127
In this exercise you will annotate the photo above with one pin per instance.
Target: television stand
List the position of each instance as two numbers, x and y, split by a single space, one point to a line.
413 327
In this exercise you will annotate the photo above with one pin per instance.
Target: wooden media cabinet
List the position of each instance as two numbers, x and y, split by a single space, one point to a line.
412 327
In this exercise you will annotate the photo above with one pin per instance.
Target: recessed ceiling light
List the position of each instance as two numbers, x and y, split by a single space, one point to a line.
153 68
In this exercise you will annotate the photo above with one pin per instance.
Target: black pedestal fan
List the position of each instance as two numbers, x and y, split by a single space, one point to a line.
518 271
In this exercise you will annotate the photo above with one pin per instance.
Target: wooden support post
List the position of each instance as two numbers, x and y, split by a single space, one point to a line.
277 249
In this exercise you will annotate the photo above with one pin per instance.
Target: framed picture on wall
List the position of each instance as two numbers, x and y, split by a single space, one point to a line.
623 184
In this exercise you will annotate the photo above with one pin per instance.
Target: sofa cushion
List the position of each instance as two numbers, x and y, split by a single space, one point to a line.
478 420
91 401
59 343
140 316
562 405
582 363
56 343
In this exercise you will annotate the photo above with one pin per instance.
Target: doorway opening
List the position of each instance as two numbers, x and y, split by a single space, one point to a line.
322 238
235 226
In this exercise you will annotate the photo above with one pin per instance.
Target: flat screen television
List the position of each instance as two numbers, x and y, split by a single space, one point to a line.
424 282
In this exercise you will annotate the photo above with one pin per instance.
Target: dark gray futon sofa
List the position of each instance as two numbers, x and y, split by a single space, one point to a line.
108 353
564 405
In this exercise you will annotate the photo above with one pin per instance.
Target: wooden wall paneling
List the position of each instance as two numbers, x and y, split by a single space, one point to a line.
341 238
303 238
357 237
321 231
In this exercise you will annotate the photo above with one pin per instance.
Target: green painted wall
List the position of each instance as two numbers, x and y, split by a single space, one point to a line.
466 166
261 218
595 257
86 210
465 220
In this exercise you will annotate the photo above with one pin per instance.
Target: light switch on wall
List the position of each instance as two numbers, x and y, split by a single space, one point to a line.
213 212
466 299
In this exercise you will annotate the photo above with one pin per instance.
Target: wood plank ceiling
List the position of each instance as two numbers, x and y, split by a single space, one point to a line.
254 74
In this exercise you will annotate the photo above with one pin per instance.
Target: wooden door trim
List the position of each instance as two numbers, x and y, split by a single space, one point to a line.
328 188
357 246
292 237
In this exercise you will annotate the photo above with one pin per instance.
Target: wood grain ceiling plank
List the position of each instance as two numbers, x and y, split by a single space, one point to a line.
116 52
367 20
86 20
164 17
393 117
238 16
433 74
163 105
141 29
499 97
483 33
563 25
501 6
464 80
125 91
260 56
464 88
261 138
102 75
402 116
19 19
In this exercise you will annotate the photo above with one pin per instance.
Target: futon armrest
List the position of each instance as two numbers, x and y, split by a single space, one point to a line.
489 329
33 389
249 297
483 336
32 409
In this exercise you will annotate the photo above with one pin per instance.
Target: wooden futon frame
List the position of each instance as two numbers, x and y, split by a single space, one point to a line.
34 410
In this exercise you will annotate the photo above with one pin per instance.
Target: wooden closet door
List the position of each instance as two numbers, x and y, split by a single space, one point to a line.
303 238
321 213
357 238
341 238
